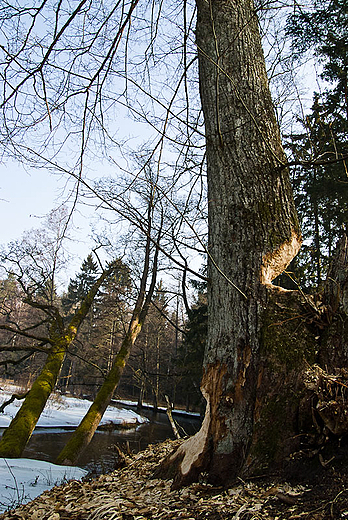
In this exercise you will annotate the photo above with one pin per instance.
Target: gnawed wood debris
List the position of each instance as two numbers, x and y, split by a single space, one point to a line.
331 391
131 494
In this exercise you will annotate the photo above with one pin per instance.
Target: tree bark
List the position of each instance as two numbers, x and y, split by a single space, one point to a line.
16 436
253 232
83 434
335 334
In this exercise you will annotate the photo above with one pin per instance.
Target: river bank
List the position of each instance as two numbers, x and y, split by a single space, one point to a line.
24 479
101 456
131 493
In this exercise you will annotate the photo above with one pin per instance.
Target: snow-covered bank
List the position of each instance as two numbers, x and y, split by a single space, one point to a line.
22 480
162 409
62 411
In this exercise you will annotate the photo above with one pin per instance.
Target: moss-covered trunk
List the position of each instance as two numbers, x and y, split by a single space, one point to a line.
16 436
288 346
87 427
300 334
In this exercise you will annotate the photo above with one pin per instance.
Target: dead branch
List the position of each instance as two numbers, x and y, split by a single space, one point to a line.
171 420
13 398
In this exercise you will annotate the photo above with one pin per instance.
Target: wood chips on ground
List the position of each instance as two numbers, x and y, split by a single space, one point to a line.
131 494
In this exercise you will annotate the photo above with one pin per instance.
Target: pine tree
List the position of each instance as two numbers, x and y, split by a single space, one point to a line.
100 333
321 190
191 352
80 285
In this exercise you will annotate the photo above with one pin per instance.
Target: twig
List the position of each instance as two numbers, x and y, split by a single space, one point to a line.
14 479
14 396
171 420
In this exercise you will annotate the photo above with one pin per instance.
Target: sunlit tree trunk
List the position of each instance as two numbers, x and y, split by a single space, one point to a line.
16 436
87 427
18 433
253 231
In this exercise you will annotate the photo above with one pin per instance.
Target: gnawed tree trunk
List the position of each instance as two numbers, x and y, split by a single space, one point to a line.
83 434
296 400
18 433
297 404
253 233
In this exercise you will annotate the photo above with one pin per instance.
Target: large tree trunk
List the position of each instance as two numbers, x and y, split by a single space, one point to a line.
253 232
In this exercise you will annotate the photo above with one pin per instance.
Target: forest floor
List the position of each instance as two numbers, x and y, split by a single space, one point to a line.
130 493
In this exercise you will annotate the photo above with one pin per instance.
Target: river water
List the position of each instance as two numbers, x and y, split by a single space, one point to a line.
100 456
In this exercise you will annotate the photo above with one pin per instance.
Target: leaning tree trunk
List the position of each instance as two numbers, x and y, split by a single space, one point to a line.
253 232
84 433
16 436
18 433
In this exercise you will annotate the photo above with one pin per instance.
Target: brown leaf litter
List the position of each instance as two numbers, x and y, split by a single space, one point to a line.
131 494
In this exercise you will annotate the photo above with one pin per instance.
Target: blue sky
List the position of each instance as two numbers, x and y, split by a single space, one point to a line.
26 197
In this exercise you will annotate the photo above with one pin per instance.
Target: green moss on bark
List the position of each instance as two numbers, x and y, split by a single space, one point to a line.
288 345
16 436
85 431
286 339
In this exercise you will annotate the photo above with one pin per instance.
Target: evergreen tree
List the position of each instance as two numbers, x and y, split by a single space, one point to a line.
191 352
100 334
320 184
323 27
81 284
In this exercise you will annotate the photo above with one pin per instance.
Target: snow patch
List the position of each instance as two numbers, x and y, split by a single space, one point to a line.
61 411
22 480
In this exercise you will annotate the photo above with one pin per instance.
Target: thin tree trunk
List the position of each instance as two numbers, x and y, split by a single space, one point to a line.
317 236
141 393
83 434
86 429
16 436
18 433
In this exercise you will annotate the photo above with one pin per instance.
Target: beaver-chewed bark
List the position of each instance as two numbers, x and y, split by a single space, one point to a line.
257 335
293 394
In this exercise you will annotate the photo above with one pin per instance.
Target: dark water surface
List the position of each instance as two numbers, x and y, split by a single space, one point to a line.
100 457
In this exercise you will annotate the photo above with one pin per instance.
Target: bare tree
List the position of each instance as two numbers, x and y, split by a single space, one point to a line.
86 429
50 334
70 71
